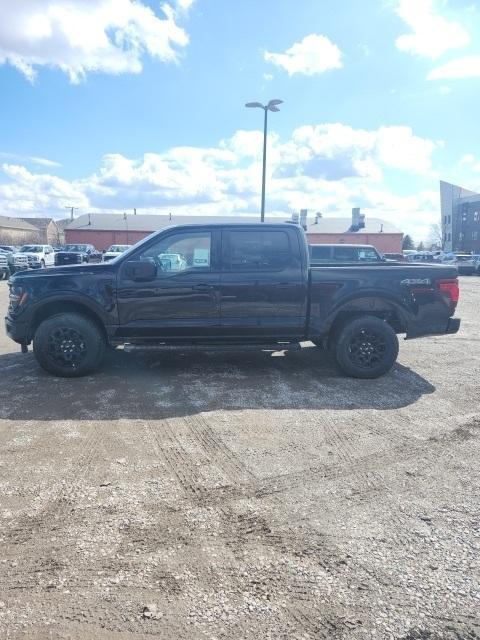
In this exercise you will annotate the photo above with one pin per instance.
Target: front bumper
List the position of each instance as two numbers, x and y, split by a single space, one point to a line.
17 331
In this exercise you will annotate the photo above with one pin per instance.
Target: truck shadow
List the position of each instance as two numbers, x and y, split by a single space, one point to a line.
156 386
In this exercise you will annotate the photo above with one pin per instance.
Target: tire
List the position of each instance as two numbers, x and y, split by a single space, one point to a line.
366 347
69 345
42 264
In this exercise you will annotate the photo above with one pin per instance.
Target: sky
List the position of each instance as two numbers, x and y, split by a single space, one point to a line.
110 105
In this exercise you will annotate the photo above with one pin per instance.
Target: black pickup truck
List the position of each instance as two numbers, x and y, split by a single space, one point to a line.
229 286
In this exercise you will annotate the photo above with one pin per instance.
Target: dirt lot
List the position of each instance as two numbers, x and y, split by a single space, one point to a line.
243 495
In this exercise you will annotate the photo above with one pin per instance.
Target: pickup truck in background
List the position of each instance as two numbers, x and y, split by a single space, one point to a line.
34 256
77 253
114 251
321 254
240 286
4 267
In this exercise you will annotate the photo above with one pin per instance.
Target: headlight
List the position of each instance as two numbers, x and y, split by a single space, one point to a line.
17 297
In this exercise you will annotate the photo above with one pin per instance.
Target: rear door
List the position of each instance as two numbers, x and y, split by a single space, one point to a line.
182 301
263 287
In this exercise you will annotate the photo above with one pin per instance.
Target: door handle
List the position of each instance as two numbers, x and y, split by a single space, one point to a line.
284 285
202 287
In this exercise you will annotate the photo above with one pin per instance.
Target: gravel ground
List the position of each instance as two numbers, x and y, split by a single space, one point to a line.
243 495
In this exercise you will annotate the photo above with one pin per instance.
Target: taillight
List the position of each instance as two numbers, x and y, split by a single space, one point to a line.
450 288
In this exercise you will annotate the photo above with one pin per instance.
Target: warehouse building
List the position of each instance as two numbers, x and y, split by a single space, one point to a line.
15 231
105 229
18 231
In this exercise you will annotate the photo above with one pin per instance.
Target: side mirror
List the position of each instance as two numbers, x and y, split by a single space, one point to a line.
141 270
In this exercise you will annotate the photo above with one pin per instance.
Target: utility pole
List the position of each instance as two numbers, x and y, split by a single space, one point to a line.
71 209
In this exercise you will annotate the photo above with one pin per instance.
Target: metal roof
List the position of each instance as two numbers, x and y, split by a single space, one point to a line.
141 222
39 223
342 225
16 223
130 222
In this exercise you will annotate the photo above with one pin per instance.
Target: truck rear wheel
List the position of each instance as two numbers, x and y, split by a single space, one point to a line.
69 345
366 347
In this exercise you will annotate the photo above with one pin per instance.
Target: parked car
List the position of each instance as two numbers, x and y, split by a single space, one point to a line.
464 262
114 251
172 262
4 266
77 253
346 253
420 256
34 256
395 257
257 290
10 252
476 259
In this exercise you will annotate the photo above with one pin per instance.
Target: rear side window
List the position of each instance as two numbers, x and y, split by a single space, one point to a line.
354 254
321 254
259 250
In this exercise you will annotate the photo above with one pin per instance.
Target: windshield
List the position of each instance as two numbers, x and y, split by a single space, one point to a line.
75 247
118 248
31 248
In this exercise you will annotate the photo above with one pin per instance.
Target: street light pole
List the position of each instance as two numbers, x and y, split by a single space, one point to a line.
271 106
262 211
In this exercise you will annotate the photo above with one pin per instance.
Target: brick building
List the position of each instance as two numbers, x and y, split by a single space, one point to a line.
105 229
384 236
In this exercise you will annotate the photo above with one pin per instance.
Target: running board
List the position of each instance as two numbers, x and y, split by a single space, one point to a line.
287 346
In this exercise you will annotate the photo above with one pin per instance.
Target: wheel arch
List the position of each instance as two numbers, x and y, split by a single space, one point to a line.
54 307
377 306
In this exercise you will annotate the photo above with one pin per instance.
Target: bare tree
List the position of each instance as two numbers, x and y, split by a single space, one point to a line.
435 236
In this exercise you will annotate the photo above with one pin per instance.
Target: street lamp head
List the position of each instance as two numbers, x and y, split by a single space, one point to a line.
253 105
273 105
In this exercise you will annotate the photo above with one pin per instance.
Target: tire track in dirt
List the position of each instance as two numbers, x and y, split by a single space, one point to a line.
28 535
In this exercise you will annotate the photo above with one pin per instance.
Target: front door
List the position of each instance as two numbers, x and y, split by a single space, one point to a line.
182 301
263 289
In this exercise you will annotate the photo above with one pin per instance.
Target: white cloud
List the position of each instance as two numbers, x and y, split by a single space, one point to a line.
26 192
464 67
185 5
329 167
432 34
314 54
79 36
44 162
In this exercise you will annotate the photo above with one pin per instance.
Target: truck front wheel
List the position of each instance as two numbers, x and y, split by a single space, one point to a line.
69 345
366 347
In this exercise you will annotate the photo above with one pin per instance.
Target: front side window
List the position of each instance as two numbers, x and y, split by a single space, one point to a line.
368 255
259 250
181 252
